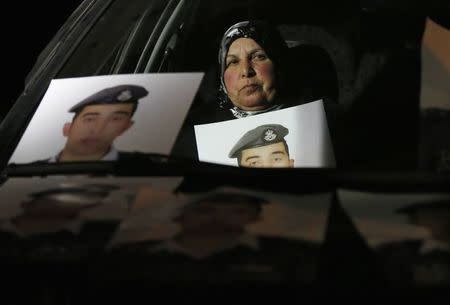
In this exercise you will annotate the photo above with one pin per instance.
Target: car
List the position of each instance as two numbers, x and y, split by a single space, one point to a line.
361 58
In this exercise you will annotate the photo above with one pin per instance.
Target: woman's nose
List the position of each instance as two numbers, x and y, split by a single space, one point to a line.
247 68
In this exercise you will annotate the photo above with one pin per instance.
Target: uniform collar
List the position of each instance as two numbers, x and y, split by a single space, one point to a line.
111 155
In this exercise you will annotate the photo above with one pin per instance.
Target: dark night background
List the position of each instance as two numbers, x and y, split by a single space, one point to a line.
28 30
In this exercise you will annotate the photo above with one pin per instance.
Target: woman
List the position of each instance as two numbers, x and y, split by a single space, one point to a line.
253 70
256 76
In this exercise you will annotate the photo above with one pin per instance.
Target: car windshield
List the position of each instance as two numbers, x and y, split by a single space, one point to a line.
354 85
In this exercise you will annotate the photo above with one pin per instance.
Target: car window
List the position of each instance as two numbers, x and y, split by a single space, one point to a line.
361 58
115 43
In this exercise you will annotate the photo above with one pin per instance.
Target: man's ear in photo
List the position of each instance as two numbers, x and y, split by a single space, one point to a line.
291 163
66 129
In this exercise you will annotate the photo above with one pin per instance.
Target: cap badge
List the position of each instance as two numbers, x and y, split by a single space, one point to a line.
124 96
269 135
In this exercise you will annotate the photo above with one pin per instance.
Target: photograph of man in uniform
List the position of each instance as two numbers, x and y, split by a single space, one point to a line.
99 119
213 224
123 117
214 242
263 146
410 233
297 133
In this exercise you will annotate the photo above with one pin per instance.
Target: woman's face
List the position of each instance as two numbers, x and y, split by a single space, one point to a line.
249 75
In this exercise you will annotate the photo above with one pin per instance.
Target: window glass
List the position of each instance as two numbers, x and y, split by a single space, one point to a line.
115 43
361 58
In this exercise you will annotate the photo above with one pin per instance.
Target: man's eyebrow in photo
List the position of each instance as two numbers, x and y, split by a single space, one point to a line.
90 113
122 112
279 152
252 157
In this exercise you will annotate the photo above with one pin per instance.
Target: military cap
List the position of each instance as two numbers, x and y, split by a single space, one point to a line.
114 95
260 136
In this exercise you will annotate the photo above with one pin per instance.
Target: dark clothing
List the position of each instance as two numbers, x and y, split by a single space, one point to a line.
434 150
405 266
275 260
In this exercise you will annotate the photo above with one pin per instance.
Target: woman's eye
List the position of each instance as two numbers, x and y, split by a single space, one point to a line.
232 62
260 56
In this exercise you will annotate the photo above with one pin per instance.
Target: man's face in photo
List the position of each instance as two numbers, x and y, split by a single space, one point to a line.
94 129
272 155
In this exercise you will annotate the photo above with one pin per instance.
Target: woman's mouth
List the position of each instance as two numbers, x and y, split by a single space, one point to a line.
250 88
